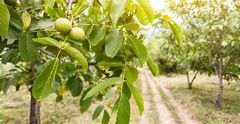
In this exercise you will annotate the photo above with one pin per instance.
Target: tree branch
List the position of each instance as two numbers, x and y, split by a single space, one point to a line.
103 72
194 77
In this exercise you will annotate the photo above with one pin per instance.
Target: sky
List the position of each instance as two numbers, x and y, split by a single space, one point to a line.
157 4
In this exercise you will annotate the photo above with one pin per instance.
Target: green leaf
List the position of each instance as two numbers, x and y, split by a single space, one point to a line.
4 21
137 96
114 43
75 85
47 41
117 9
111 92
141 15
97 112
10 56
59 98
48 4
4 84
177 32
79 7
147 8
3 44
70 50
153 67
28 51
97 35
42 86
41 24
102 85
104 3
131 74
123 114
110 63
77 55
85 103
88 30
11 3
115 106
139 49
105 118
126 91
132 25
15 25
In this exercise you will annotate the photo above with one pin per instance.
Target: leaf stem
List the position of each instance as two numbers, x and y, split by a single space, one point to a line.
62 47
124 70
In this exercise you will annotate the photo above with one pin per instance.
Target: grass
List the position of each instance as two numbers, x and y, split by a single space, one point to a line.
14 106
200 100
14 109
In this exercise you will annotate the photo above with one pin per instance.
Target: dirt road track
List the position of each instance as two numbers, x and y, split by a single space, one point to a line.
152 86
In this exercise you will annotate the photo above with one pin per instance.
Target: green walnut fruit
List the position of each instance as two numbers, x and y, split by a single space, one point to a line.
77 34
63 25
64 45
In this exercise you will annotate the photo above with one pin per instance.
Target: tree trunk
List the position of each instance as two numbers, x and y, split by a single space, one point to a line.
34 111
190 86
191 82
188 80
220 81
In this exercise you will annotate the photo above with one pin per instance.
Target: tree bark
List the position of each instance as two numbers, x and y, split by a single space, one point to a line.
189 86
220 81
191 82
34 111
188 80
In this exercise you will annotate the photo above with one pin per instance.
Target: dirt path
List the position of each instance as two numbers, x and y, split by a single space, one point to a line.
154 87
147 104
164 115
182 112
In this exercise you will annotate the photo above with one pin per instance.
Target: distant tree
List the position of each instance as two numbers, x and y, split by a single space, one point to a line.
212 29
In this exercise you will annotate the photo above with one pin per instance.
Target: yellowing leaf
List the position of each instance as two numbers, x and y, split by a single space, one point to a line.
26 17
